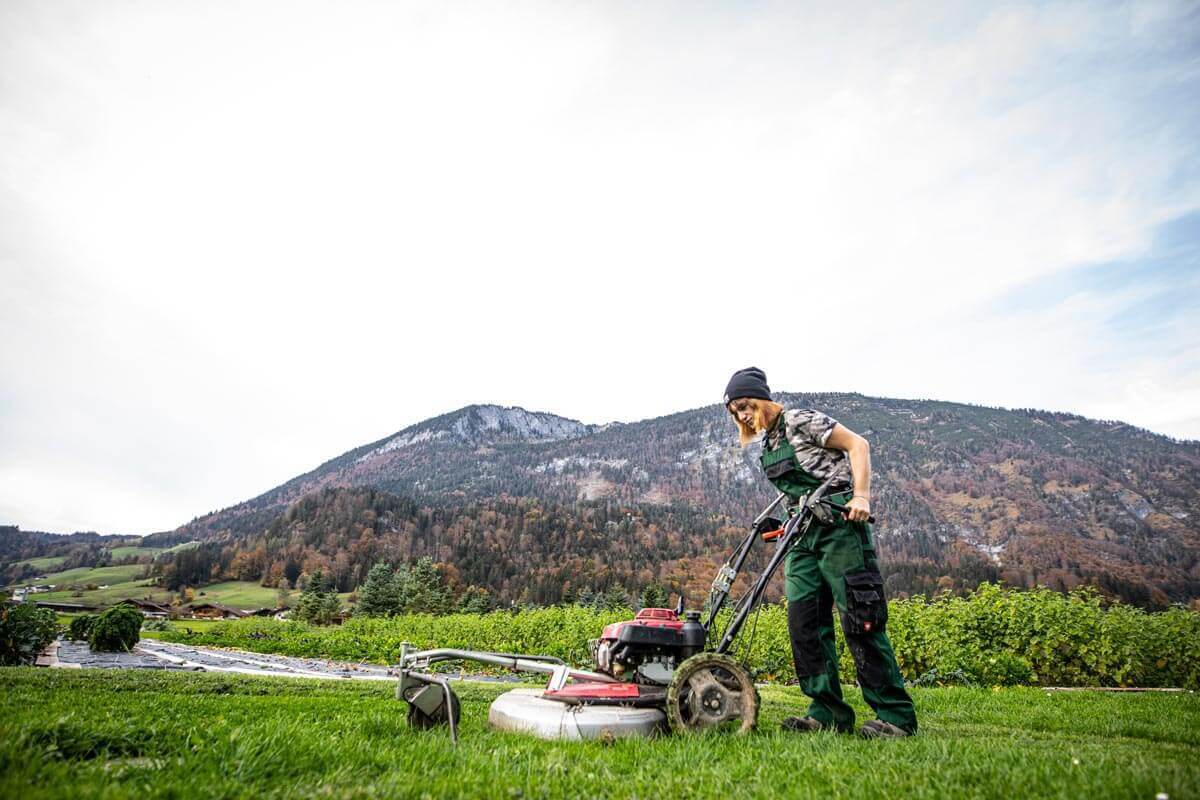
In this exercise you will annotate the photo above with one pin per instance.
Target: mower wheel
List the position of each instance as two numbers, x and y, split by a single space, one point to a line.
712 691
421 721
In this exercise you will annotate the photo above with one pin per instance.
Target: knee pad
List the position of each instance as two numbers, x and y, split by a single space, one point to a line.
869 665
804 623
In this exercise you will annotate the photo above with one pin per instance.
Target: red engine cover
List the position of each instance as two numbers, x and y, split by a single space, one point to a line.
649 617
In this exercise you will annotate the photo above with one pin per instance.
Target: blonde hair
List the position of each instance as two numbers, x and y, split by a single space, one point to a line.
765 412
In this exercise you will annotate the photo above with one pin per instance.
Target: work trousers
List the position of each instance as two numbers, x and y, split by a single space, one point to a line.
834 564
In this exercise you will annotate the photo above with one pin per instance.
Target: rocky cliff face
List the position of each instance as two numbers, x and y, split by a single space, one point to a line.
477 425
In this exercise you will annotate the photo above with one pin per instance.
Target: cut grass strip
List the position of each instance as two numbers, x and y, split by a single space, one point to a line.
148 735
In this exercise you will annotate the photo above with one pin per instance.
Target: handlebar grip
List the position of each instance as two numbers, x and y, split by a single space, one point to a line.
770 536
844 509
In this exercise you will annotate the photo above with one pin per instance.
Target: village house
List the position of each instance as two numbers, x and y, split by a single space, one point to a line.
149 610
65 608
277 613
213 611
22 592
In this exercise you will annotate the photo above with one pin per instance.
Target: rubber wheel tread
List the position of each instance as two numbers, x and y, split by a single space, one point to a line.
675 697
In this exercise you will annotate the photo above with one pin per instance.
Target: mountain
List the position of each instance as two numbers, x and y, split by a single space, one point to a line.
16 544
963 493
421 459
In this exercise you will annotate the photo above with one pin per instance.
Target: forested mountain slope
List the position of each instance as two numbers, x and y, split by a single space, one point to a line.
526 503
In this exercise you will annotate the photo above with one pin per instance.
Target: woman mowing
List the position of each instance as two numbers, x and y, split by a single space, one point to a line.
833 564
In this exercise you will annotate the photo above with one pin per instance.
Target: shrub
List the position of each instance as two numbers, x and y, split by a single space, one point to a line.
80 629
25 631
117 629
156 625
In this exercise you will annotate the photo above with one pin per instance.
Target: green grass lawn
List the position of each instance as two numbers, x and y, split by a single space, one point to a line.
238 594
123 581
98 575
67 733
44 564
135 550
113 594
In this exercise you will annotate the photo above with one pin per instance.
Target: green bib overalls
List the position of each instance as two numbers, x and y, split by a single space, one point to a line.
835 563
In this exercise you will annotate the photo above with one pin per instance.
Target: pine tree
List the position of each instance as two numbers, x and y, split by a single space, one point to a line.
379 596
421 590
615 598
654 596
588 598
329 608
318 602
475 600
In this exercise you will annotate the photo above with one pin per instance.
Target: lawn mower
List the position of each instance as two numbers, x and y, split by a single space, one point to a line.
653 673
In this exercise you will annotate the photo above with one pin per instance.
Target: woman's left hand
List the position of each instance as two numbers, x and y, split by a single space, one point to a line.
858 509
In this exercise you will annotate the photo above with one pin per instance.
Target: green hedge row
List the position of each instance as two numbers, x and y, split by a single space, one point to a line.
995 636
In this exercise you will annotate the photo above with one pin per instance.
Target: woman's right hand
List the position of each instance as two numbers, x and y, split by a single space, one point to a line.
858 509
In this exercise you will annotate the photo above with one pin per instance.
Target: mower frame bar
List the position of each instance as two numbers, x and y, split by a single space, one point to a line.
559 670
732 567
794 529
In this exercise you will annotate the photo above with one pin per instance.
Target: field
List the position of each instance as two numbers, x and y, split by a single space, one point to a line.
123 581
115 593
44 564
239 594
124 584
138 734
135 550
97 575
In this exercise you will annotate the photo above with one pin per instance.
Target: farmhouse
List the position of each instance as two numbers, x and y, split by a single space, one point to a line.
148 609
269 612
66 608
213 611
24 591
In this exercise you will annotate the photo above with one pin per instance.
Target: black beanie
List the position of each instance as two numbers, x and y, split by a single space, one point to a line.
748 382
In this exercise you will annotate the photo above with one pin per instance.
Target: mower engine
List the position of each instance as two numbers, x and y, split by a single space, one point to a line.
648 648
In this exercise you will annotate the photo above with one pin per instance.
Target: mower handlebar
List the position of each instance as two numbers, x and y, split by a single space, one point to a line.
843 509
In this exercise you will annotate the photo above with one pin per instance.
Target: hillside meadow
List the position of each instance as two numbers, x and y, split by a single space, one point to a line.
126 582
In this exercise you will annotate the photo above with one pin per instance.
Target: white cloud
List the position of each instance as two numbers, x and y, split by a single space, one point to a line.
237 240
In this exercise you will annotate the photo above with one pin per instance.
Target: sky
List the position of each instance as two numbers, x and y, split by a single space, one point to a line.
238 239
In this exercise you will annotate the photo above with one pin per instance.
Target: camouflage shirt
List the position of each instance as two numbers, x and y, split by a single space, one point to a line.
808 430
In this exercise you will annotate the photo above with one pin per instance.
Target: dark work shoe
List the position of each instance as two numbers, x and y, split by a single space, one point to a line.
878 729
804 725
